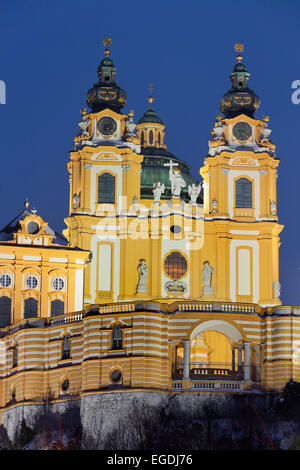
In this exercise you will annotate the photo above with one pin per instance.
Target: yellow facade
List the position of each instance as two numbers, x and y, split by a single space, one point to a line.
160 292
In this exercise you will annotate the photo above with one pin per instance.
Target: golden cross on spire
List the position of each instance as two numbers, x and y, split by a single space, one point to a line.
239 47
107 42
150 99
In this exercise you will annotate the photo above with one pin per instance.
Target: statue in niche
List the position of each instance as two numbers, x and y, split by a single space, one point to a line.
76 201
194 192
214 205
158 190
277 289
207 272
273 208
143 277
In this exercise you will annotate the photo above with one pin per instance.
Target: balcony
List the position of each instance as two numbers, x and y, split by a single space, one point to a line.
216 377
212 371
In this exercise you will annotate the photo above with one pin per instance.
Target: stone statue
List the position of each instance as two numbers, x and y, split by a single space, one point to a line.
214 205
84 123
273 208
194 192
158 190
177 182
277 289
143 273
207 272
76 201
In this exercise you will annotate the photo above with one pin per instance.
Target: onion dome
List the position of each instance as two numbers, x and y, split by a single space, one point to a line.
239 99
106 93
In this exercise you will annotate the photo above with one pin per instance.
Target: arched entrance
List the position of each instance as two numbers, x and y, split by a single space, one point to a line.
215 350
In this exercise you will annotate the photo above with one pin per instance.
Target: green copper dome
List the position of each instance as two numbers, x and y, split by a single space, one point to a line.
153 171
151 117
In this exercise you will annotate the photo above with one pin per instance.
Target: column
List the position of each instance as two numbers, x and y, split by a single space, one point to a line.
240 365
186 359
233 359
256 349
247 361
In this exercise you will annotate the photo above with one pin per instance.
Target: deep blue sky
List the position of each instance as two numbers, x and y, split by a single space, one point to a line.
49 54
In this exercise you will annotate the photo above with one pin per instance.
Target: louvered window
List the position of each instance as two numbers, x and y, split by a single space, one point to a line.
30 308
243 193
106 189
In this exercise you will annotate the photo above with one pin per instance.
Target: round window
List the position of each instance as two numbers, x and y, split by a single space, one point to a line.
175 229
31 282
116 375
175 265
5 280
65 385
33 228
58 283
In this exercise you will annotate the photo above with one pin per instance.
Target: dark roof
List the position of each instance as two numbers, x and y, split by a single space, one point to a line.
151 117
7 233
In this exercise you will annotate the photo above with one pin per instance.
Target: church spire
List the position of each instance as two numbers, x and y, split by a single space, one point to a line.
239 99
106 93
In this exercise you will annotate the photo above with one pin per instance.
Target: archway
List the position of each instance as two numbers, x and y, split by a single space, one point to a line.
213 351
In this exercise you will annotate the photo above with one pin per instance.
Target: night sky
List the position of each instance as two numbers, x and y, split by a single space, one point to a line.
49 54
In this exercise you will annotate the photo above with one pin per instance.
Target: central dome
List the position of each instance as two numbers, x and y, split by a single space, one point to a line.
153 170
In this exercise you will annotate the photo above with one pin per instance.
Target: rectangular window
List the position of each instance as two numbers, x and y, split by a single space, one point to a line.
243 193
106 189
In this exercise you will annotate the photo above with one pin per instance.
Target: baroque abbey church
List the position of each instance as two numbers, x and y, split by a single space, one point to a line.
160 282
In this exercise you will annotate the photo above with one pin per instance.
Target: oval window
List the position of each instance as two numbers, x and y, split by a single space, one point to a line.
5 280
31 282
175 229
33 228
175 265
58 283
116 375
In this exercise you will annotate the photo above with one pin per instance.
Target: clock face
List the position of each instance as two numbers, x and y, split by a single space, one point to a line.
107 125
242 131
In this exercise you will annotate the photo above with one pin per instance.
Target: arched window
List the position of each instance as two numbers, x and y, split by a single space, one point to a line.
117 337
5 311
158 138
151 137
243 193
15 357
142 138
106 188
66 348
57 307
30 308
175 265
